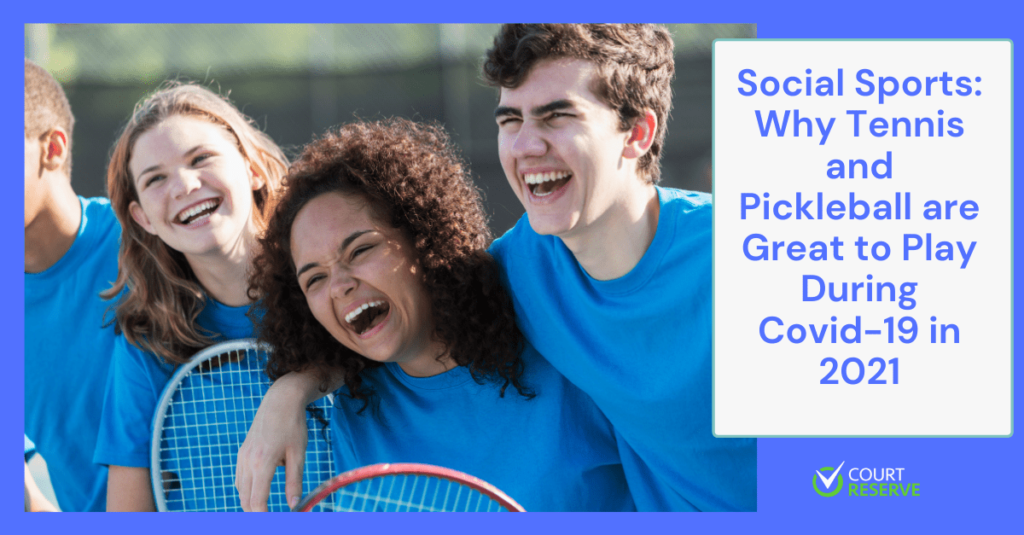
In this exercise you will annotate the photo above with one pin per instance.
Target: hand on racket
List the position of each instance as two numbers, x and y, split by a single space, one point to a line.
277 437
407 487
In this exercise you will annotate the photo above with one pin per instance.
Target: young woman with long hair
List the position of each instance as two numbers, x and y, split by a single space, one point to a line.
192 181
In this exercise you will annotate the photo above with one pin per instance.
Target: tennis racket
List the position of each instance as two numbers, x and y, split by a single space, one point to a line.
204 413
407 487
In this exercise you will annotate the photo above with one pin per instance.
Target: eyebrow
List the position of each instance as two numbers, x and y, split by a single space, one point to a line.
502 111
157 166
560 104
344 245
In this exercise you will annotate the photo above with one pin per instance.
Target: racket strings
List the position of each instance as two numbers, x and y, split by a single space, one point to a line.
202 432
219 360
409 493
206 424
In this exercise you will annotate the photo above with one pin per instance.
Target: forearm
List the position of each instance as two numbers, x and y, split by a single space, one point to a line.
34 499
129 489
299 389
277 437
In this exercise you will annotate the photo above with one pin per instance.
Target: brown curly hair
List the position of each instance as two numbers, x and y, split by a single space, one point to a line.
635 67
412 180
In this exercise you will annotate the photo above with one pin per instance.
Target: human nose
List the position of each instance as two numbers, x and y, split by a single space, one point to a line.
185 182
342 282
529 142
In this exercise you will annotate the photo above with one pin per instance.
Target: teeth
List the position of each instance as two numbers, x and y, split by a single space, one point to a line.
539 178
185 215
355 313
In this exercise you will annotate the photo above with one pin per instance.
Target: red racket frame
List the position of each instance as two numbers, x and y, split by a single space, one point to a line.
390 469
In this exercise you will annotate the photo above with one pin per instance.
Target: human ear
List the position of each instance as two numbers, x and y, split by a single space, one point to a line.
140 217
54 145
641 136
255 180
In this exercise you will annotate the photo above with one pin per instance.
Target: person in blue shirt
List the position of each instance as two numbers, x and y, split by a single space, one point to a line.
70 257
192 181
373 270
610 274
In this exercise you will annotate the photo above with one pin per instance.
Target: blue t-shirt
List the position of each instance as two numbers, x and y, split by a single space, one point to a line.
640 346
555 452
67 356
137 378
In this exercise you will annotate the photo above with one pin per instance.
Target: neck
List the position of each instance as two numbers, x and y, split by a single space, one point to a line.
612 245
225 276
53 230
427 364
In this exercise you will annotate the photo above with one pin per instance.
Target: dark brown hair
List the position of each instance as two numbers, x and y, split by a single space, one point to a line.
158 312
635 66
412 180
46 107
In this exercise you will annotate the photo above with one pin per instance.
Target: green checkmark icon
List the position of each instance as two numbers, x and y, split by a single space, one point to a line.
839 485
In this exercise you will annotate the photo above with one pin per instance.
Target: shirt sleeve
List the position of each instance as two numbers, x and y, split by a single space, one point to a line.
133 388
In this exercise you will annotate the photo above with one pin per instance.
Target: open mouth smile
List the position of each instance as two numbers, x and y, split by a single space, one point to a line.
198 213
364 319
543 184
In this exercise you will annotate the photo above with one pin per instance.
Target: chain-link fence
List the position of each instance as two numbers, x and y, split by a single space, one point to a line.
298 80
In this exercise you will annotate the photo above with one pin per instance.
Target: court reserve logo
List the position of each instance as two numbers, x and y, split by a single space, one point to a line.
828 481
867 482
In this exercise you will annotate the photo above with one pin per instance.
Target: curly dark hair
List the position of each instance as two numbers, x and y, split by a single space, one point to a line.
412 180
635 67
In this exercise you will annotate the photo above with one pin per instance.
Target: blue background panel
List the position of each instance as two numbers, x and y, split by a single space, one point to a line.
966 484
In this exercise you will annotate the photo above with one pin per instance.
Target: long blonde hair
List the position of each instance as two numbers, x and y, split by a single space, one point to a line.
158 311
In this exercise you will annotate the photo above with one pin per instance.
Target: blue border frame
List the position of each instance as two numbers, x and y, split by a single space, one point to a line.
966 483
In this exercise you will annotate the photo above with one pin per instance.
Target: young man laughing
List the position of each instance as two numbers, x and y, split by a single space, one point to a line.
610 274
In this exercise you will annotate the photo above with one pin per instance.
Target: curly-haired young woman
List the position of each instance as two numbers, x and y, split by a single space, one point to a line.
374 275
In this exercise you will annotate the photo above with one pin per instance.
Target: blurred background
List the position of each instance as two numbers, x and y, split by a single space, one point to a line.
298 80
